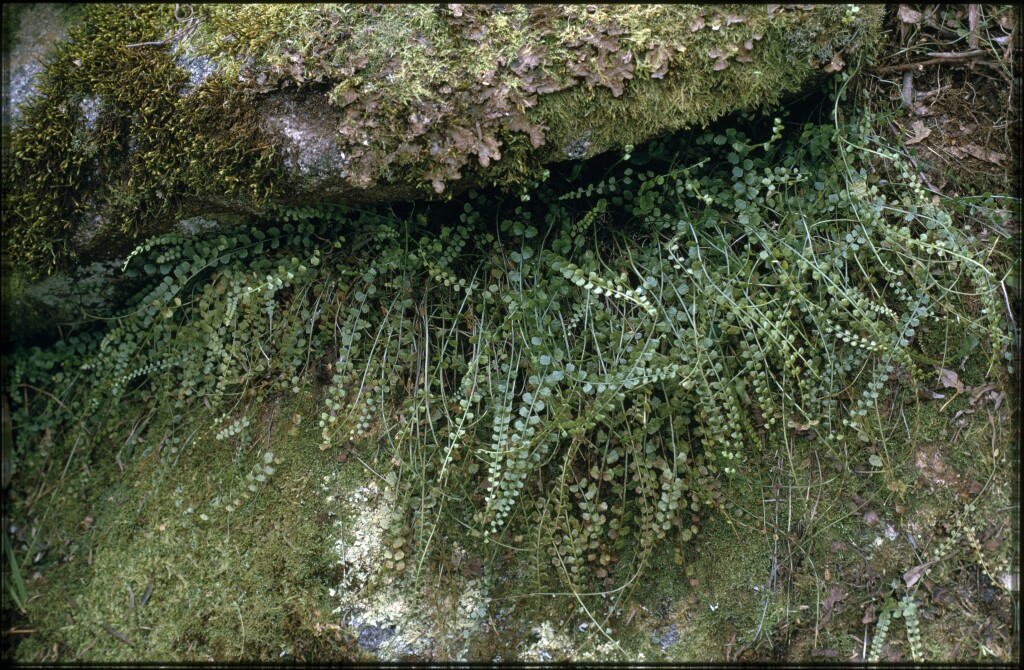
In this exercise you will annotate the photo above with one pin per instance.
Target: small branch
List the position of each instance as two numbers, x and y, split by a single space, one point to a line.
190 21
119 636
145 44
936 59
972 23
46 393
932 93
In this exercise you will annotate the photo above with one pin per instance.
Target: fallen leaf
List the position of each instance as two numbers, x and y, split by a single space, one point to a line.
908 15
950 380
834 597
871 517
920 132
869 616
836 65
912 575
962 413
980 153
977 393
985 154
928 394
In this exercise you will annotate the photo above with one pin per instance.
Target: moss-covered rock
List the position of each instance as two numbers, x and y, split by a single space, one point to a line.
147 112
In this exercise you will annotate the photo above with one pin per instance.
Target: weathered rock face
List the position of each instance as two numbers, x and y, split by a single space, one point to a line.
146 113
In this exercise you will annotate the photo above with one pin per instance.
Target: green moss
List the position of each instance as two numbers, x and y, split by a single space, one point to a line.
428 97
802 515
246 585
110 136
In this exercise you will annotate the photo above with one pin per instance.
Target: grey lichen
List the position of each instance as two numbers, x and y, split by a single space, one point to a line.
577 149
41 27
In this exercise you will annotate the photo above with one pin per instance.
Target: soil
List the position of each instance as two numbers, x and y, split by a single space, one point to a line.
962 117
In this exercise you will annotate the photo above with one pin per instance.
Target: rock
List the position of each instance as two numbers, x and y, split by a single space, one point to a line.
38 28
147 113
665 637
372 637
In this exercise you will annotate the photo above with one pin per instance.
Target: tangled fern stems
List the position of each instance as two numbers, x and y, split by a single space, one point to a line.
579 379
881 631
905 609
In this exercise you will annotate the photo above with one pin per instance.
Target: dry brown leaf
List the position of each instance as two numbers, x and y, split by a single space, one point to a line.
977 393
950 380
920 132
985 154
912 575
836 65
974 151
834 597
908 15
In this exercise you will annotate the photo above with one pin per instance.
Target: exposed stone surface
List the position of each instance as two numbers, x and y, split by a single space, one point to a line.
41 26
146 113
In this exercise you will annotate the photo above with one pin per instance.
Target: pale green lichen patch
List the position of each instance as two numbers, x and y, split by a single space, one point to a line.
396 617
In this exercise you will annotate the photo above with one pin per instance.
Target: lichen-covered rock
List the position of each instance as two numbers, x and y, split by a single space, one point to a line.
39 28
145 113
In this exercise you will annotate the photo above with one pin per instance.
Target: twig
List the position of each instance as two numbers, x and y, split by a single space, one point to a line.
908 88
948 55
147 594
46 393
190 21
937 58
972 23
931 93
119 636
